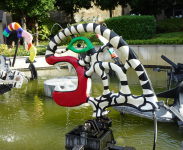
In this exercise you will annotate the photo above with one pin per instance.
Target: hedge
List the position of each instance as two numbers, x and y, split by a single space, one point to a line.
176 40
132 27
169 25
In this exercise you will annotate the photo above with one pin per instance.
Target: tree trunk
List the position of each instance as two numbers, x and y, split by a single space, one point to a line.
36 31
110 11
123 10
23 22
72 18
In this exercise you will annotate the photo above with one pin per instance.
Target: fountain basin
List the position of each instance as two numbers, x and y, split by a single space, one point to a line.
67 83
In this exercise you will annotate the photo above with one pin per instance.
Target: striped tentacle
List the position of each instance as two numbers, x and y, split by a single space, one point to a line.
124 97
84 62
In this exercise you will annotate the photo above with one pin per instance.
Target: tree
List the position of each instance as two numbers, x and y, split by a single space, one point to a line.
72 6
150 7
20 7
39 10
106 5
179 2
110 4
35 9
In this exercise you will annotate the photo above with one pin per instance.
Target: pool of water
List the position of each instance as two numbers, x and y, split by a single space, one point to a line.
30 120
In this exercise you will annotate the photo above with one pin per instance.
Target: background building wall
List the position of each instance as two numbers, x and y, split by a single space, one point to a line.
1 35
3 25
93 14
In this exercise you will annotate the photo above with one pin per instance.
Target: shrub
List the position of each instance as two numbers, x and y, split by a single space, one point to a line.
169 25
44 28
5 51
3 48
132 27
176 40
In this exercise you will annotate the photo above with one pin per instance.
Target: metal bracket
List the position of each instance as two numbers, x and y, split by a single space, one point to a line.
171 109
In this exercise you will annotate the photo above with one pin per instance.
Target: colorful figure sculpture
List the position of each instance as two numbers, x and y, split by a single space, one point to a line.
145 102
22 33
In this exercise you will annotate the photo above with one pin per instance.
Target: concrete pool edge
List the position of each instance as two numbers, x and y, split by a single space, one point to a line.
149 55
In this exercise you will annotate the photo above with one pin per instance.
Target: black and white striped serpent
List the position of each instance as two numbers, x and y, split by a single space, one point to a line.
145 102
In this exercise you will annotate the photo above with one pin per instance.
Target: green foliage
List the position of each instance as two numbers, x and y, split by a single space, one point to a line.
132 27
91 36
169 25
168 35
3 47
179 2
150 7
39 8
14 6
66 41
32 8
72 6
41 50
110 4
16 18
10 52
21 52
175 40
46 28
106 4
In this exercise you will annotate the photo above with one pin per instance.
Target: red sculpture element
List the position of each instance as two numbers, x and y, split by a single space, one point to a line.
72 98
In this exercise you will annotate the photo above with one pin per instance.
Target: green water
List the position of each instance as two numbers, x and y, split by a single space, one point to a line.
31 121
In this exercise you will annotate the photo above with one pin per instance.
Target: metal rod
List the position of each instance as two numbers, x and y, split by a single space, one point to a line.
15 52
169 83
169 61
155 130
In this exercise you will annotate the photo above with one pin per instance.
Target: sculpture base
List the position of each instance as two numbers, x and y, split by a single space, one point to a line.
93 135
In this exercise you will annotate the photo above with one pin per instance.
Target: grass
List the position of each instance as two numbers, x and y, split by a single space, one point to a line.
158 39
168 35
21 52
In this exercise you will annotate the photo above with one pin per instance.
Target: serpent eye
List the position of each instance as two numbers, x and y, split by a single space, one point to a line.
20 32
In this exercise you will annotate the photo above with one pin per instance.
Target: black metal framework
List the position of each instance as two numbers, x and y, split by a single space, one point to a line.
93 135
